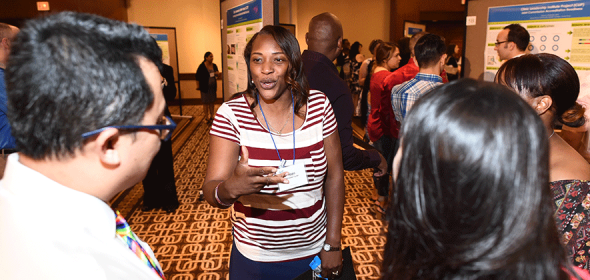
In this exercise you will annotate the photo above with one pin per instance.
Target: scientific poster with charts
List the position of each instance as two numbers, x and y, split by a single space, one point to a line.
561 28
243 22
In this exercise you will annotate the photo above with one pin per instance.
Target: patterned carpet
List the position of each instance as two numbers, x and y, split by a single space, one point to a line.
194 242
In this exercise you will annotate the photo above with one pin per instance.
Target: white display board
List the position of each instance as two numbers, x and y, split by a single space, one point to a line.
243 22
561 28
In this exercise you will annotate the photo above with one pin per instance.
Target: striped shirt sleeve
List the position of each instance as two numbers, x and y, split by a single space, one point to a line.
223 126
329 121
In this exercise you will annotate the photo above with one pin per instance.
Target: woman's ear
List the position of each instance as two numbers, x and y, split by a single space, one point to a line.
542 104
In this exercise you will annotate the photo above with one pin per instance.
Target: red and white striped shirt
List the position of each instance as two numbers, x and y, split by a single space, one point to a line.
274 226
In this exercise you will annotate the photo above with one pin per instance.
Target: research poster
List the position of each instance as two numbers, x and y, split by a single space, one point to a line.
411 28
561 28
243 22
162 41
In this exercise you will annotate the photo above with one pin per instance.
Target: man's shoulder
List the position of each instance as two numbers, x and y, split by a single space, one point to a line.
324 79
403 87
401 75
428 78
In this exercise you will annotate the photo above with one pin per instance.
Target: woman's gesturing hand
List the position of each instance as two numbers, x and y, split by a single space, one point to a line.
247 180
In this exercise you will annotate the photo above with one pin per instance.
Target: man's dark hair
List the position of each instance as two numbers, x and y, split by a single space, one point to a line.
71 73
429 49
519 36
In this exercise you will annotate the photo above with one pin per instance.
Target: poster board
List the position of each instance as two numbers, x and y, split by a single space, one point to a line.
561 28
411 28
166 39
476 33
241 19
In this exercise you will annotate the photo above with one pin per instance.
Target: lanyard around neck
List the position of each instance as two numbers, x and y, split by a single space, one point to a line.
269 132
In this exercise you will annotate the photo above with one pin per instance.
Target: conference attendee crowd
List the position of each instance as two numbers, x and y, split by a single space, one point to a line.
471 177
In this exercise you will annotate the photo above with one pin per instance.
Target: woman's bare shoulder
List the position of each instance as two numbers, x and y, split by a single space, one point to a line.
565 163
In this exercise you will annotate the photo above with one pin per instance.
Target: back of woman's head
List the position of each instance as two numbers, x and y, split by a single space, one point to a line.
383 53
451 50
546 74
374 44
354 50
472 198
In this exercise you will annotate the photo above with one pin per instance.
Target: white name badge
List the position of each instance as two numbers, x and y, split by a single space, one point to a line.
212 74
297 177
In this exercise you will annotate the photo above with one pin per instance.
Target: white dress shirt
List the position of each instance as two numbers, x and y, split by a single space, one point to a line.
49 231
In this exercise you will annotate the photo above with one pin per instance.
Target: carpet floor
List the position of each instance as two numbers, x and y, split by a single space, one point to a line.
194 242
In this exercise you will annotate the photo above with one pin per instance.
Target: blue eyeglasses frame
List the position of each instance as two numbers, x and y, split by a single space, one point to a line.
161 127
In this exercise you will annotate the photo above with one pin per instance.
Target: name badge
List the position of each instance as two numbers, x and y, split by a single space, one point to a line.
297 177
212 74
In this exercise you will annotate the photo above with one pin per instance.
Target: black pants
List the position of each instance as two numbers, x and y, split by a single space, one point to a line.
159 185
387 146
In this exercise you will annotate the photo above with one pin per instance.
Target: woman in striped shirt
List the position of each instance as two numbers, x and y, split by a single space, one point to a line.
287 186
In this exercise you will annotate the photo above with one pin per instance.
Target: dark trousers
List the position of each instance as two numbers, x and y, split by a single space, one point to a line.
159 185
387 146
241 267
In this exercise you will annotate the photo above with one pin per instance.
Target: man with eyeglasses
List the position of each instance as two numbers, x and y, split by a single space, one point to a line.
512 41
86 106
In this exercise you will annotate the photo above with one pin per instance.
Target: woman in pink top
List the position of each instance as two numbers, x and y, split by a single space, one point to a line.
381 125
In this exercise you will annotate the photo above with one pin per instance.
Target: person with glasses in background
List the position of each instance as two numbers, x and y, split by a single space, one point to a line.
87 112
512 42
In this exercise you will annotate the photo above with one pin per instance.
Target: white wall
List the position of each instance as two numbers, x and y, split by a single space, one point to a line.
197 31
362 21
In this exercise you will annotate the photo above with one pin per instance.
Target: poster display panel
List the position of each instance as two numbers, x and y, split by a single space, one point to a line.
162 41
243 22
411 28
561 28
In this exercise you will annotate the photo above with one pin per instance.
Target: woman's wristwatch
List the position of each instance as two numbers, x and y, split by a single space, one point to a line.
329 248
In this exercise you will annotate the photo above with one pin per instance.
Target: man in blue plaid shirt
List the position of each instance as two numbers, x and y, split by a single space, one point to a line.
430 55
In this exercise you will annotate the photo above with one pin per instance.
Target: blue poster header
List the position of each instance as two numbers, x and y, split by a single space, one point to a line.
160 37
245 13
414 30
570 10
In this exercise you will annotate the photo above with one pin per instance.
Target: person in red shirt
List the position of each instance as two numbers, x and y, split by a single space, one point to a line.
381 126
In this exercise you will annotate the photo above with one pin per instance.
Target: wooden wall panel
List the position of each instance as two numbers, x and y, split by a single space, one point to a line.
402 10
17 11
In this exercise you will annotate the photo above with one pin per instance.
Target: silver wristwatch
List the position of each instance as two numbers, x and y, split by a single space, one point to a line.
328 248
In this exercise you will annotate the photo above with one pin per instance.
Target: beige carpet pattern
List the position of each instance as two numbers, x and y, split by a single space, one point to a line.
194 242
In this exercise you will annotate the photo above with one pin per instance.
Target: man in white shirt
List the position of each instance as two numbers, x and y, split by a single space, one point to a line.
512 41
86 106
